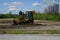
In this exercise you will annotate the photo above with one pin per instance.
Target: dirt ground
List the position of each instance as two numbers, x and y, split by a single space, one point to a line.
38 25
45 22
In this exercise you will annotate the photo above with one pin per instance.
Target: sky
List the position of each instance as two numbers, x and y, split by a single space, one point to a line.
15 6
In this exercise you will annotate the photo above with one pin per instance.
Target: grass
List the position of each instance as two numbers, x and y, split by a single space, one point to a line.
37 16
29 31
52 17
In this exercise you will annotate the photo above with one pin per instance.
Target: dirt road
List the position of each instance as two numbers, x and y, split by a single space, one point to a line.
38 25
30 27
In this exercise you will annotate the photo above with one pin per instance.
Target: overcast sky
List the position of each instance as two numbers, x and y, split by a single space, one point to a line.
16 5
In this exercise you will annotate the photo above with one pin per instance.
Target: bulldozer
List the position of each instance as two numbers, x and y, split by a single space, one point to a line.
24 18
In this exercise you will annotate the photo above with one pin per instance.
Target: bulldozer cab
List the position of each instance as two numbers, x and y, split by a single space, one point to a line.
30 16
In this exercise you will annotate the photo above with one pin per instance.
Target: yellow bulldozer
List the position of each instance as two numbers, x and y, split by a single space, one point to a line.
24 18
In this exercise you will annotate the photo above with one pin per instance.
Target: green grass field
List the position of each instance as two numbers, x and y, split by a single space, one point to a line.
29 31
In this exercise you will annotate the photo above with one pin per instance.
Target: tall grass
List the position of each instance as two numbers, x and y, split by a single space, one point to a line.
37 16
46 16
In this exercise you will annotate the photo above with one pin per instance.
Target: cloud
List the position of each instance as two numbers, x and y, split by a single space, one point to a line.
11 9
40 5
50 1
2 11
58 2
6 3
11 6
14 3
20 3
47 0
36 4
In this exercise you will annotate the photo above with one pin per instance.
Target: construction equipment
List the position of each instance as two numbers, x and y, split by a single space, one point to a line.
24 18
